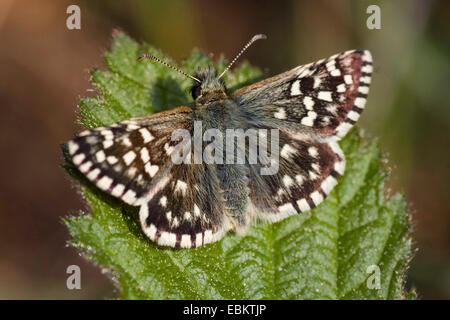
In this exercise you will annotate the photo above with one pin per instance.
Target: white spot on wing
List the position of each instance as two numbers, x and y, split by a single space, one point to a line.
348 79
295 88
145 155
85 166
181 186
363 89
129 157
317 82
159 186
303 205
335 73
118 190
312 175
198 239
280 114
332 108
146 135
353 115
316 167
325 95
92 140
112 159
127 142
167 239
131 172
367 68
185 241
287 208
331 65
208 236
299 178
73 147
93 174
288 182
100 156
280 193
78 158
107 143
316 197
196 210
287 151
313 151
108 134
151 231
129 196
308 102
104 183
365 79
175 222
163 201
336 149
309 119
340 167
151 170
340 88
328 184
360 102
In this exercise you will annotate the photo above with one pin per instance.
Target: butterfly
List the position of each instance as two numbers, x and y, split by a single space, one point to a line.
190 204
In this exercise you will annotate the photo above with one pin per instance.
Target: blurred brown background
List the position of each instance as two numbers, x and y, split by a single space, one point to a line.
43 73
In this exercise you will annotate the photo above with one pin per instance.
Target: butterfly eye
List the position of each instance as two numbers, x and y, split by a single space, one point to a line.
196 90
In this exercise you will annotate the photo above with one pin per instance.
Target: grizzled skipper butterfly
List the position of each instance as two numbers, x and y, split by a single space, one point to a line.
192 203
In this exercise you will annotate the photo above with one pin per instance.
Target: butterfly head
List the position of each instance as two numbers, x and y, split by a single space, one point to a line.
209 87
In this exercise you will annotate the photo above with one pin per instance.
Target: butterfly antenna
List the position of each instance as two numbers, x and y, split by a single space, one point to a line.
151 57
255 38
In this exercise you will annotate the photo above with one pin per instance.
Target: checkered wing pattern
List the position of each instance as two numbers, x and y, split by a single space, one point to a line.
131 160
313 106
320 99
307 172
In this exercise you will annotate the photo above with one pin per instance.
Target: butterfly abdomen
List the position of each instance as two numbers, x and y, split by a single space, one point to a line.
234 187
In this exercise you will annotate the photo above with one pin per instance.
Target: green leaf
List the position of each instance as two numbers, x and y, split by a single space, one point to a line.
324 254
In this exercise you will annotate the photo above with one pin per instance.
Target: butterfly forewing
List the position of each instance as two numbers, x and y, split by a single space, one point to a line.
181 204
126 159
324 98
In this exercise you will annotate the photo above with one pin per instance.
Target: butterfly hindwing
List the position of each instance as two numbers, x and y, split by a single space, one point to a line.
187 210
324 98
307 172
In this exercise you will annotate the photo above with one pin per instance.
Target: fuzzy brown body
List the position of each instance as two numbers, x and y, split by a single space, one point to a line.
216 110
